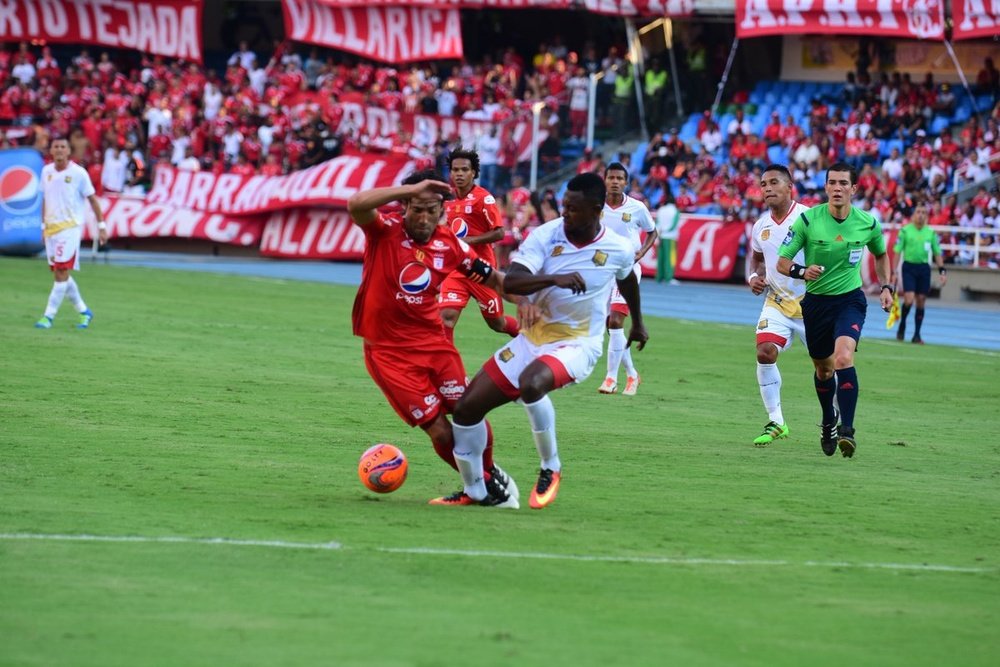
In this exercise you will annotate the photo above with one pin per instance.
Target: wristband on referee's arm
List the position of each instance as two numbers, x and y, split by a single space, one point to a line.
891 288
942 271
101 226
797 271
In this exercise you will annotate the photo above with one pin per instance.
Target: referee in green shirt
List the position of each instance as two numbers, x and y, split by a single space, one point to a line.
915 246
834 237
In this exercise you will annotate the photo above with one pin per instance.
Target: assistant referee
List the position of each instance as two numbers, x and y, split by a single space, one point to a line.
915 246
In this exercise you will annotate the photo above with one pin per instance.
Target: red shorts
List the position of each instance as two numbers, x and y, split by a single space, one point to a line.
456 290
417 383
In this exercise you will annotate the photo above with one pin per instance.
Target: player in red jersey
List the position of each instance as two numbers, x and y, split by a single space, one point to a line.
407 257
475 217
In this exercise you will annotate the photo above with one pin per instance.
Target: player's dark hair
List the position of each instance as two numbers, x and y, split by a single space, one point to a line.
843 166
591 186
463 154
780 168
423 175
616 166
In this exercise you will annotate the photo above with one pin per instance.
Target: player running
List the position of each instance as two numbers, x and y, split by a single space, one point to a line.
568 266
781 317
627 217
407 354
475 217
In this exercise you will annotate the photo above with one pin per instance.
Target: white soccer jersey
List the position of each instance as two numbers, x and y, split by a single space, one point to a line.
784 292
628 219
65 196
565 315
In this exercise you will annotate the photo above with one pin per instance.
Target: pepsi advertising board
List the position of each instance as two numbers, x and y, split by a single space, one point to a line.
21 202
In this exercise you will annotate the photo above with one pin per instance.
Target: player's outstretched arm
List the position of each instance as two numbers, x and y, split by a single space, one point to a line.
491 236
363 206
520 280
629 288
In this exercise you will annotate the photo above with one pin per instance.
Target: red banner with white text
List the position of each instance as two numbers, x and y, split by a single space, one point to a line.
975 18
162 27
388 34
298 233
707 248
329 185
921 19
610 7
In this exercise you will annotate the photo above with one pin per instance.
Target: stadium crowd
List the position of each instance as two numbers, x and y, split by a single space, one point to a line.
125 116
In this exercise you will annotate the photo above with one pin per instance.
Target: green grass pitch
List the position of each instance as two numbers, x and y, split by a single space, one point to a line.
201 406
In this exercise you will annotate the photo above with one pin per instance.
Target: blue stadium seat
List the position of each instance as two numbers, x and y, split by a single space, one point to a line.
897 144
638 155
939 124
709 209
777 154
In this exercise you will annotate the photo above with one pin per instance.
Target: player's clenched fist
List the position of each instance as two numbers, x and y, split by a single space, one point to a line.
571 281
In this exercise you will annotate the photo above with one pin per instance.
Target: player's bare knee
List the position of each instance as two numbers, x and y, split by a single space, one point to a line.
767 354
466 413
843 359
616 320
439 431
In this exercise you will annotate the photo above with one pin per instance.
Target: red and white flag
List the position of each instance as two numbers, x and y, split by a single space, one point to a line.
391 34
162 27
921 19
975 18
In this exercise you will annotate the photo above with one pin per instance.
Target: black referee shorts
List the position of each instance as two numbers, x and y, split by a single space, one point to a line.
916 277
828 317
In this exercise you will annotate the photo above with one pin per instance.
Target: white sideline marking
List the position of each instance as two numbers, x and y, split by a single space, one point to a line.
277 544
430 551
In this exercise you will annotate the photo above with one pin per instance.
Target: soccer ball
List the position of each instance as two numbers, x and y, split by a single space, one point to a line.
382 468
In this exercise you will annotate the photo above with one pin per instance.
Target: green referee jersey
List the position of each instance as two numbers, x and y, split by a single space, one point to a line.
836 246
917 245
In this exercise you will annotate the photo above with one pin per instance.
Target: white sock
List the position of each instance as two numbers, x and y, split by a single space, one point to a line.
470 443
616 348
73 294
627 361
769 379
55 299
542 417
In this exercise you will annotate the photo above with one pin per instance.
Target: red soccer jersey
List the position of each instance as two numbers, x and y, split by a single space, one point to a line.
396 304
475 214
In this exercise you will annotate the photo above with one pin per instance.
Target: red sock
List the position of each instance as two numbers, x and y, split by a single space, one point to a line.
510 326
449 333
446 452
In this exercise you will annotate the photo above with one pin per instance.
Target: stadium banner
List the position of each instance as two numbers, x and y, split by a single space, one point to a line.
611 7
329 184
429 129
312 234
389 34
897 18
707 248
21 202
136 218
162 27
298 233
972 19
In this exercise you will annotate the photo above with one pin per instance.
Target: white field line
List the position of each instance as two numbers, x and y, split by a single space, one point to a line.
524 555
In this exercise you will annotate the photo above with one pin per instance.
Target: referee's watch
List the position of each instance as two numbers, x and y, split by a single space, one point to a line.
891 288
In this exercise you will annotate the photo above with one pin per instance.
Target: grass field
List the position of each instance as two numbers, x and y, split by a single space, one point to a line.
201 406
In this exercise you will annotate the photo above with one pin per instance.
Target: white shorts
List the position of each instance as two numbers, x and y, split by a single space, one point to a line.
63 248
776 327
570 360
617 300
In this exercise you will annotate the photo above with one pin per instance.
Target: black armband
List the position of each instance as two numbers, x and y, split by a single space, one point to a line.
480 271
891 288
797 271
942 271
